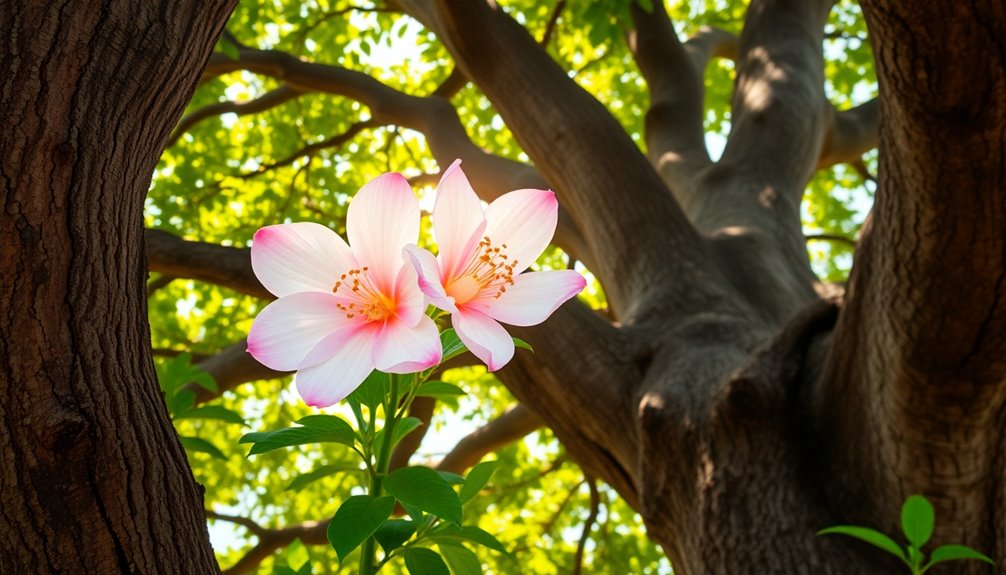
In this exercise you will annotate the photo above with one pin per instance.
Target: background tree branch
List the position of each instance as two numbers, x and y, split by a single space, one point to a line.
675 134
601 177
491 175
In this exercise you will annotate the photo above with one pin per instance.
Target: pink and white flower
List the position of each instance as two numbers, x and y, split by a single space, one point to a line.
477 274
344 311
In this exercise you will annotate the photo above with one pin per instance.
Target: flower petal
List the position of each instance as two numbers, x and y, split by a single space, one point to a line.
457 215
300 257
533 297
524 220
331 381
410 303
403 349
382 219
429 277
484 337
287 330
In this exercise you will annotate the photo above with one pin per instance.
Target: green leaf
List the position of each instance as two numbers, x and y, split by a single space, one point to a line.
372 391
180 403
404 427
296 555
439 389
305 479
217 412
316 429
477 479
871 536
461 559
456 534
451 477
357 518
954 552
420 561
452 344
200 445
917 520
424 489
324 422
393 532
179 371
518 342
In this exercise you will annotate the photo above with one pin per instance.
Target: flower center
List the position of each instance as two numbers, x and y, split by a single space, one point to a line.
488 273
364 299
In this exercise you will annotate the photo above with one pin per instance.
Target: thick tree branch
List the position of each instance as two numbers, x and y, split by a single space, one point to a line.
578 382
709 43
675 135
779 104
918 361
514 424
271 540
231 367
607 185
850 134
264 102
750 200
222 265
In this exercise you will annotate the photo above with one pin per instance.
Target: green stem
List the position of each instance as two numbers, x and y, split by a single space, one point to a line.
377 479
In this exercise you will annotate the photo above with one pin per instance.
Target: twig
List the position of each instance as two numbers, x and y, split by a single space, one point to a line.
831 238
553 20
595 504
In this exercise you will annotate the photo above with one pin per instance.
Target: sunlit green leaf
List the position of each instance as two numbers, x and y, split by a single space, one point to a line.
439 389
453 346
356 520
315 429
424 489
200 445
420 561
461 560
458 534
477 479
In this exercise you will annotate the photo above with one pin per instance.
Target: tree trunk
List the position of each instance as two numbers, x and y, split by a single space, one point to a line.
730 405
92 476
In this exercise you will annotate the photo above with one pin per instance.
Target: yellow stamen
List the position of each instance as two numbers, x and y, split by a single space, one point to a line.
367 300
488 273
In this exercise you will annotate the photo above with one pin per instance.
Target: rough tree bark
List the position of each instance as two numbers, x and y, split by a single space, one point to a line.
92 476
729 403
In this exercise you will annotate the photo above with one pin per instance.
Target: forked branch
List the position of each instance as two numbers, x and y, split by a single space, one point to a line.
675 136
608 186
